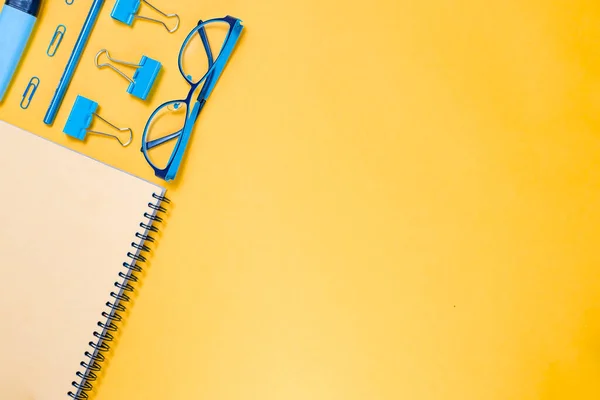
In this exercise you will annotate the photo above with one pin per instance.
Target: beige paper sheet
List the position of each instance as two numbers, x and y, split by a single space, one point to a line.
66 225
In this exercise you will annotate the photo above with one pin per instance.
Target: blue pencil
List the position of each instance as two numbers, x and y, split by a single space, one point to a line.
67 76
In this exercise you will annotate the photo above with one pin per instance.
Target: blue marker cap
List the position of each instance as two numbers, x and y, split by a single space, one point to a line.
31 7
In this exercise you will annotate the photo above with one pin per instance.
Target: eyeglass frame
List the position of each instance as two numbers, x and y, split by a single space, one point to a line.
209 80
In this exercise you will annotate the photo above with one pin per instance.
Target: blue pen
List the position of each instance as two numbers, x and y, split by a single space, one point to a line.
16 24
67 76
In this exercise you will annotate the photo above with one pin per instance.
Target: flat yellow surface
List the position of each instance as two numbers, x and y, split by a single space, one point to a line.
387 199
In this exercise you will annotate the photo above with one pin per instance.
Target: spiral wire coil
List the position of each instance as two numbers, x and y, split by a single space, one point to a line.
94 358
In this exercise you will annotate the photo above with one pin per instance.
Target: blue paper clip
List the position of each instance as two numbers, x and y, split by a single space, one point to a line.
69 2
57 39
81 117
126 11
30 92
144 76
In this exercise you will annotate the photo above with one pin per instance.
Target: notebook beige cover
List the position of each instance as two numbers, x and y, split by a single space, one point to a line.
67 223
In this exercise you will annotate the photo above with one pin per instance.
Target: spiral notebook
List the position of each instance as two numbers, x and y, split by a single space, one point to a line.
74 234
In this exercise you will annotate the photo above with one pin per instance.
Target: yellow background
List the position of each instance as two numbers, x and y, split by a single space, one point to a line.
387 199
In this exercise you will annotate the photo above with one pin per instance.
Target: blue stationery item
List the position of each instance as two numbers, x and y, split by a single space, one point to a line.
126 11
185 113
57 39
81 117
16 24
29 92
69 71
144 76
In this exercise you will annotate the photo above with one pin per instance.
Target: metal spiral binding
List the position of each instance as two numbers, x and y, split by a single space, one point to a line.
115 306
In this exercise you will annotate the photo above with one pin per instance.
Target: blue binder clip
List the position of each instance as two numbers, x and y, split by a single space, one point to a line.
144 76
81 117
126 11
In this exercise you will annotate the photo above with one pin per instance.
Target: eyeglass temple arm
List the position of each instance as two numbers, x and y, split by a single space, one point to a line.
206 43
218 67
157 142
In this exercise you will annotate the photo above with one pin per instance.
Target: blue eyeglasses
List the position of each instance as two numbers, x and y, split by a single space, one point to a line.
170 126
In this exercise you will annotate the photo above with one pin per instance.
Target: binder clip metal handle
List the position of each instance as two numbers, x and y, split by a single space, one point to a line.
126 11
144 77
81 118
